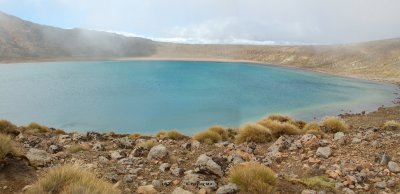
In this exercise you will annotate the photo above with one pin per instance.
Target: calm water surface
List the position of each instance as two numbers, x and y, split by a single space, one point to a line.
147 96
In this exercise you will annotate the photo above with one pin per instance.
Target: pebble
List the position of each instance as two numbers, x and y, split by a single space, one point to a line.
393 167
324 152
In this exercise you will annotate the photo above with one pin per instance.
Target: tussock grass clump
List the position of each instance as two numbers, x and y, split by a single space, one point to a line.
7 146
223 132
147 144
333 125
254 133
36 127
74 148
253 178
313 128
208 137
71 180
59 132
6 127
298 123
278 128
391 125
279 117
172 134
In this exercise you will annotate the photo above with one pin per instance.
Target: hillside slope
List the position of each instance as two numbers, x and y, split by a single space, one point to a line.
22 40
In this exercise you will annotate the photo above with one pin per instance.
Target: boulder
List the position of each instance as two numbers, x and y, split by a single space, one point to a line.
157 152
206 165
324 152
38 157
393 167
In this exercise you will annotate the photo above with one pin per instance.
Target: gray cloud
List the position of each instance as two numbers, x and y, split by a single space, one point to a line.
224 21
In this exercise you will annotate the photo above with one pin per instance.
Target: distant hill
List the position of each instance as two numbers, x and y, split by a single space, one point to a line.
26 41
22 40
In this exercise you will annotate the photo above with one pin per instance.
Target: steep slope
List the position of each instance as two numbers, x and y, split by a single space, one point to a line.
22 40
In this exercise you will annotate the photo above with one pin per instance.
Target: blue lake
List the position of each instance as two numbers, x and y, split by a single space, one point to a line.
148 96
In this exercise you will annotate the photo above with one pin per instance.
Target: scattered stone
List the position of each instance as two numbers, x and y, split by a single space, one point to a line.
176 171
92 135
230 188
79 137
348 191
307 191
156 183
139 152
167 183
157 152
38 157
98 147
206 165
208 185
124 143
164 167
179 190
116 155
148 189
53 149
103 159
128 178
324 152
355 140
111 177
382 158
393 167
380 185
338 136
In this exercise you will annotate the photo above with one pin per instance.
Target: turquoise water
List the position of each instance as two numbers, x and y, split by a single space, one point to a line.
147 96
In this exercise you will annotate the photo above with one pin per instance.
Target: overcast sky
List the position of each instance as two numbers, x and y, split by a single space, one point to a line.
222 21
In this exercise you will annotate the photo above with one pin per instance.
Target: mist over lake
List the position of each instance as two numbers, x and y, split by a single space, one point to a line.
148 96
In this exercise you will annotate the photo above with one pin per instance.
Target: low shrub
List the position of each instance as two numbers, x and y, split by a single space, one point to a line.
333 125
254 133
223 132
70 180
279 117
208 137
6 127
391 125
74 148
172 134
253 178
7 146
278 128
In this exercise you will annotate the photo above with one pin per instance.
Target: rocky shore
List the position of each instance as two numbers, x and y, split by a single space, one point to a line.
364 159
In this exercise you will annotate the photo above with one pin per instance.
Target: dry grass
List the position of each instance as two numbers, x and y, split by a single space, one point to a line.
172 134
208 137
278 128
6 127
298 123
36 127
254 133
313 128
77 148
7 146
316 182
279 117
71 180
223 132
134 136
147 144
253 178
333 125
391 125
59 132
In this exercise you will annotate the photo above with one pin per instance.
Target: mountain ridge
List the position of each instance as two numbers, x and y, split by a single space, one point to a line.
22 41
